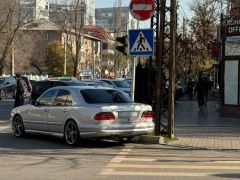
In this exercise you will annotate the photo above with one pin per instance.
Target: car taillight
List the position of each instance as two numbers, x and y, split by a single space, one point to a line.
104 116
148 115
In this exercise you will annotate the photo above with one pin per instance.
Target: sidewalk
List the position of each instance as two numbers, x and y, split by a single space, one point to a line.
204 129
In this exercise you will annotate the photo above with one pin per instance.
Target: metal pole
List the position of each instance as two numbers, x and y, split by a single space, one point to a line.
134 73
65 57
94 63
13 60
133 78
159 63
171 96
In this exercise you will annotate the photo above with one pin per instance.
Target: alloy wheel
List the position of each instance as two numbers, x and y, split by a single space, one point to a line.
18 126
71 133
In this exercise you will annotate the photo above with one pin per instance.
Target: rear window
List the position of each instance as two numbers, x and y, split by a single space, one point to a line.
122 84
101 96
40 87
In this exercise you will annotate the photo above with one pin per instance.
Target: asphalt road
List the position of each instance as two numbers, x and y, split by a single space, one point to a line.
44 157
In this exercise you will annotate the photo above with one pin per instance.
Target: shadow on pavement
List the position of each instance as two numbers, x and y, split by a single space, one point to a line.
234 176
43 141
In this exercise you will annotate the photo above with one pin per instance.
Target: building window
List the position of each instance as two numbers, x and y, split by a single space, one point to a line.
104 46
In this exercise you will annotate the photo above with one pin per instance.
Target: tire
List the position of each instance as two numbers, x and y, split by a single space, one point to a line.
71 133
18 126
2 95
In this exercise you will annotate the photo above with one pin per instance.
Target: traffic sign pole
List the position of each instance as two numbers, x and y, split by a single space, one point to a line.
133 78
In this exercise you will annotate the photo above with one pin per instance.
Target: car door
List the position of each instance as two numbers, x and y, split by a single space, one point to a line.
38 116
7 85
13 85
60 110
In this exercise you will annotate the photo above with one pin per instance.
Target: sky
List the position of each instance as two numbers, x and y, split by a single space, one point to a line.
184 5
183 11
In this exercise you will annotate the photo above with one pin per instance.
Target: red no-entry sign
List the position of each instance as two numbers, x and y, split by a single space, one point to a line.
142 9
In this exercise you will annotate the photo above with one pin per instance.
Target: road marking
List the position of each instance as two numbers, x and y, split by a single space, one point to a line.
111 172
167 166
227 162
122 154
117 167
154 160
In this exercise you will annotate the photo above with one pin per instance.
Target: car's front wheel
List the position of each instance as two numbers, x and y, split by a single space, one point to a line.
2 95
18 126
71 133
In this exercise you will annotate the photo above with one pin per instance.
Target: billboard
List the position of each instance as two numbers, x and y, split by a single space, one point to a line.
232 46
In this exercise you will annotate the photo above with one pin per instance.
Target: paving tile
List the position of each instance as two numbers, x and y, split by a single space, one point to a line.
205 129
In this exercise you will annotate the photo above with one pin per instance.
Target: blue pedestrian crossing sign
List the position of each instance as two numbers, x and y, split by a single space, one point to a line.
141 42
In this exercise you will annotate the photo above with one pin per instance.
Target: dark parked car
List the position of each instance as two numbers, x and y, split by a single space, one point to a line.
40 87
120 84
7 87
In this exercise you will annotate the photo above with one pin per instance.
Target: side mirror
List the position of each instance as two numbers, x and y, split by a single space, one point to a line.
7 83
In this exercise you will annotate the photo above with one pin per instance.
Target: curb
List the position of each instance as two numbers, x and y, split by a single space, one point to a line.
148 139
4 122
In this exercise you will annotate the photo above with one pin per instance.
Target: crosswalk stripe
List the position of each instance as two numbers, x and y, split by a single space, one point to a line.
122 154
111 172
167 166
154 160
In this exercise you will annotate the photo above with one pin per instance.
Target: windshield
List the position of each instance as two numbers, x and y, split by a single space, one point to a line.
100 96
122 84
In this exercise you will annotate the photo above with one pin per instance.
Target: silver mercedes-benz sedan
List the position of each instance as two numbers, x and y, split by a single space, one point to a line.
83 112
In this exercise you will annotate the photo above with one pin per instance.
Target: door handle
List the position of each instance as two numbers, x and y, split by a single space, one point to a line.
65 110
45 110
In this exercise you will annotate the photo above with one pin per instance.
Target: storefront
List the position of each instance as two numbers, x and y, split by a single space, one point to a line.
230 67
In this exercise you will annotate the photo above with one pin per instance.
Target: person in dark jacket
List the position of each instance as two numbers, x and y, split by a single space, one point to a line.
199 89
19 97
206 89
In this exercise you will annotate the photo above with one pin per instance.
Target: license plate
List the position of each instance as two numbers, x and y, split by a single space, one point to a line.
127 114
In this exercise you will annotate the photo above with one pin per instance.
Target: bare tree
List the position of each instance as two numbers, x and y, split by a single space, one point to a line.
11 19
30 54
71 17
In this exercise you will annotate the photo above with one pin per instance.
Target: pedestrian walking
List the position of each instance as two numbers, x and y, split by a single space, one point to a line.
199 90
206 89
20 91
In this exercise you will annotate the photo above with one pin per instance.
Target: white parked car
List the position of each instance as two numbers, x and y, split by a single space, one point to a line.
83 112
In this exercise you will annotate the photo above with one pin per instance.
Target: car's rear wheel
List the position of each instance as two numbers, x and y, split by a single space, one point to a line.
71 133
2 95
18 126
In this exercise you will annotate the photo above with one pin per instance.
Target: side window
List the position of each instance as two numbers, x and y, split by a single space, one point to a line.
47 98
7 81
63 98
69 100
13 81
